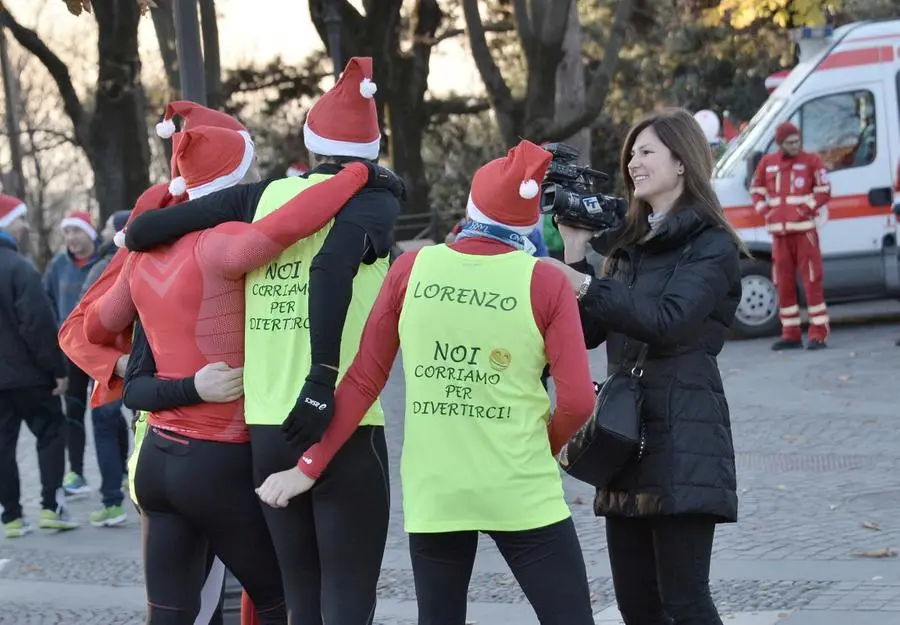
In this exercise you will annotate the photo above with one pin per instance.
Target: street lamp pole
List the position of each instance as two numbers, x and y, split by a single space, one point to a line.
189 50
333 30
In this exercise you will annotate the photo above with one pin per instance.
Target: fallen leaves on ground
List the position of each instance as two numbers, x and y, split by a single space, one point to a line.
887 552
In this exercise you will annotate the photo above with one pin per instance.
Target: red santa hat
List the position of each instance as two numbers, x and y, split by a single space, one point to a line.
297 169
785 130
193 115
506 191
81 220
11 208
344 122
157 196
207 159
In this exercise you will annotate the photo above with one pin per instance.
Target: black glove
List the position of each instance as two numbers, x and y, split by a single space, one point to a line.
308 420
383 178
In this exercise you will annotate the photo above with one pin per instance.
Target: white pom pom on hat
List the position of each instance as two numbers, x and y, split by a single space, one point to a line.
529 189
367 88
119 238
177 186
165 128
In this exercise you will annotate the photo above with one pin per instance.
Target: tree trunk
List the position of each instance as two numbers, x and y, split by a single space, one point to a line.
119 149
40 239
190 51
402 79
542 33
570 87
212 66
11 95
164 25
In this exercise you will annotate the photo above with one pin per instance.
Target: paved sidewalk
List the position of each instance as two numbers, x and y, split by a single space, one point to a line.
818 442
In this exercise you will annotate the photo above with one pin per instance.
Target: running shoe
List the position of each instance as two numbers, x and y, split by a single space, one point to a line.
109 517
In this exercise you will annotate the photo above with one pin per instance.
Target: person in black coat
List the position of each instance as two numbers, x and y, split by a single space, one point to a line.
32 380
672 281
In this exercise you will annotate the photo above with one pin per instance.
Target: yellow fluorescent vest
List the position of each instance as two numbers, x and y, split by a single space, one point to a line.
476 455
276 335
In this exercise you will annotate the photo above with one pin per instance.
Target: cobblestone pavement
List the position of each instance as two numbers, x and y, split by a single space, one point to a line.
817 436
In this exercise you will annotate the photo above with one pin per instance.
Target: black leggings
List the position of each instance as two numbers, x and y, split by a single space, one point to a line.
76 406
213 594
547 562
330 541
660 569
195 496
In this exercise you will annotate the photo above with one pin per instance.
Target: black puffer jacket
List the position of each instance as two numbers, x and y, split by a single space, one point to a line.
29 352
683 314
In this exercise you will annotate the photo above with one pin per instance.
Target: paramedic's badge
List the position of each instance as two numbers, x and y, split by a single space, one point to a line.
799 181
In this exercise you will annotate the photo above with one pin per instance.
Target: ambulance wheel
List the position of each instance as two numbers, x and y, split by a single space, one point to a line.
757 312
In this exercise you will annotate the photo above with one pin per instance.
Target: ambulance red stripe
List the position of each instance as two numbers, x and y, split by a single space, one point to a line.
841 207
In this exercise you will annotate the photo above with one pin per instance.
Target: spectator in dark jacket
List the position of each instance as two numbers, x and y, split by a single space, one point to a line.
63 279
32 379
672 282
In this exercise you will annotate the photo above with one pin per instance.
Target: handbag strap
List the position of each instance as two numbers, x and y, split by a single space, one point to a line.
638 369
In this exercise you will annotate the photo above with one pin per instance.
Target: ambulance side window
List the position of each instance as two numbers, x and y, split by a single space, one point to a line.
840 128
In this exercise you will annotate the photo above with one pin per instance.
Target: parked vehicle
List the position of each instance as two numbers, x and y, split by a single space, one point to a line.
843 95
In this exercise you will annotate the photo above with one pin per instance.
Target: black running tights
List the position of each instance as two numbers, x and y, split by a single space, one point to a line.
331 540
198 495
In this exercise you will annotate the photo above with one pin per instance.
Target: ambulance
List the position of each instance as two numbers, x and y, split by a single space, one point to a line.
843 96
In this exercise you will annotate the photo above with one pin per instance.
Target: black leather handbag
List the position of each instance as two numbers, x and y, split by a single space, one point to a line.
615 435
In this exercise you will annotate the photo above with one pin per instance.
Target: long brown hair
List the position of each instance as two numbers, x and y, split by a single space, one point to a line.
679 131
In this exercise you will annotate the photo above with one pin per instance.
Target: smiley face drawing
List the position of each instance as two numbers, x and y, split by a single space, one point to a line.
499 359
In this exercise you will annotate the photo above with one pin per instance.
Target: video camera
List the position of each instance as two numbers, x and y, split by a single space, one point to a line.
569 192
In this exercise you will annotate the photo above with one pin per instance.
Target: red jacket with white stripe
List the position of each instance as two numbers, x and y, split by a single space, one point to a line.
790 191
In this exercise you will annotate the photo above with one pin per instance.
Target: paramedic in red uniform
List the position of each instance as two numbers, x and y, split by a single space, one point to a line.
789 188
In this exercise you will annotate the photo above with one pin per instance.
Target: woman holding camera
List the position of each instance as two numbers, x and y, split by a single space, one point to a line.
671 281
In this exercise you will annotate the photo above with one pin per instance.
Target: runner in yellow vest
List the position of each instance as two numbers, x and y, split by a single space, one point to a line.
477 321
304 317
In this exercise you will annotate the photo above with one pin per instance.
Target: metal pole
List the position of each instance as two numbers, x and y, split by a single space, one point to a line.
12 120
190 52
333 29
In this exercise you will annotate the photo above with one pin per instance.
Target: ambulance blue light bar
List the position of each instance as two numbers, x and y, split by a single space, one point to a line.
812 32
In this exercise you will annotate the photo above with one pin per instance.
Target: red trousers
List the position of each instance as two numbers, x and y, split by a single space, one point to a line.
792 254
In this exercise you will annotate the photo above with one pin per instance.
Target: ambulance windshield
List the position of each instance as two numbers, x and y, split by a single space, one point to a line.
732 162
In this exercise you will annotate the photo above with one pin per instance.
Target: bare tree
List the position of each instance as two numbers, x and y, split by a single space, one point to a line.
56 171
401 47
541 26
113 134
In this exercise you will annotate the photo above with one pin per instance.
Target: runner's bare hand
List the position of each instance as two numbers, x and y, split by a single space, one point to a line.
218 383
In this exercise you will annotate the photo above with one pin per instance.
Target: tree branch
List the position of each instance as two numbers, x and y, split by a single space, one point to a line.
32 42
63 137
498 91
600 79
450 33
455 106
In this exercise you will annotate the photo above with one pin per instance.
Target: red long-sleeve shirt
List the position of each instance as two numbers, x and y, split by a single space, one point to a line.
191 298
555 313
98 361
